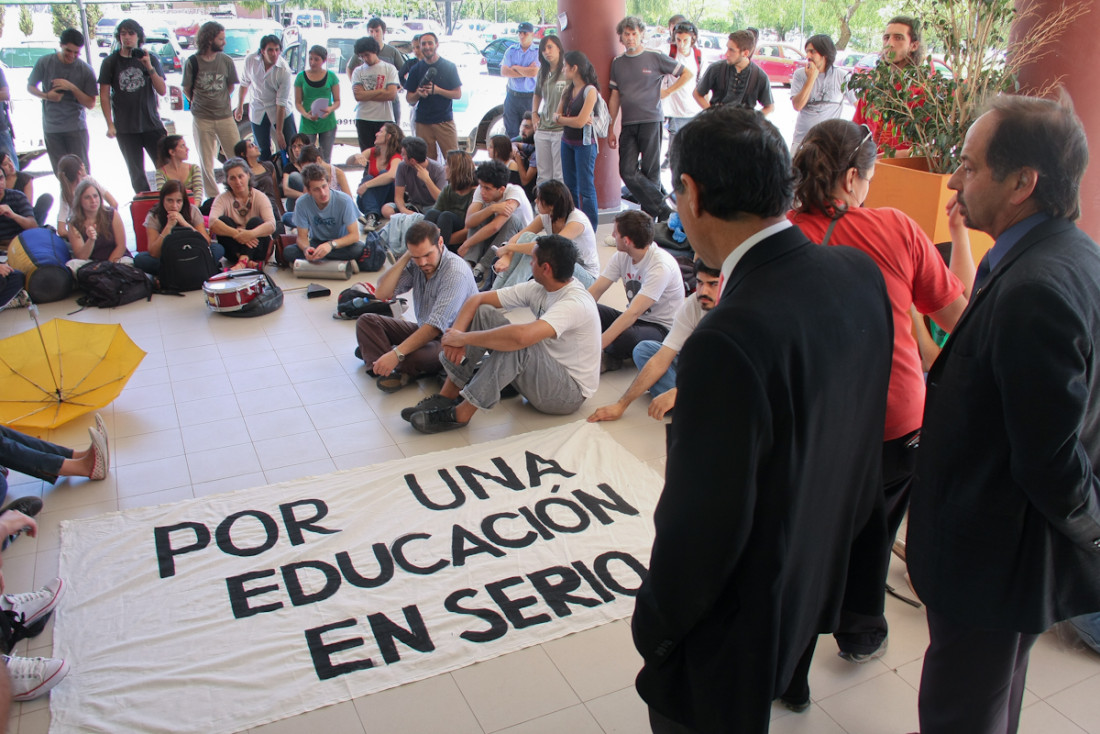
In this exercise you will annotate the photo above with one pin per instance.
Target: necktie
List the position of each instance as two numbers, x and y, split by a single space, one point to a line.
982 273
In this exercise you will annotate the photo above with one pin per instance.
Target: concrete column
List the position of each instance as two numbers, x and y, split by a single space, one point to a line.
1067 59
590 27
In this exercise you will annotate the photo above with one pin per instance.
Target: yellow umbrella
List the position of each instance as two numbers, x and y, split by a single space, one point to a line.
61 370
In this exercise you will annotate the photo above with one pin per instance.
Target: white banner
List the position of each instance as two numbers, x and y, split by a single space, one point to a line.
223 613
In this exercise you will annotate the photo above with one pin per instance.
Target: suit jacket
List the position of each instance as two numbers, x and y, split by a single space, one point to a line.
1004 521
774 465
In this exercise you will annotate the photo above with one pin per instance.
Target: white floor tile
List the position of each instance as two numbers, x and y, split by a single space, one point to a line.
404 709
598 661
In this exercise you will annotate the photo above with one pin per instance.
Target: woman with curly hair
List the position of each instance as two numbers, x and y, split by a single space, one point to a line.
95 229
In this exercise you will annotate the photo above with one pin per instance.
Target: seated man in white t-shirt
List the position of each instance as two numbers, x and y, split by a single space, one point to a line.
498 211
552 361
656 361
654 289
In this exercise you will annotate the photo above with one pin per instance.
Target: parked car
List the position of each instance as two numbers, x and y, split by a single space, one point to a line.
711 45
847 60
497 30
185 34
161 43
779 60
105 31
494 53
17 62
422 25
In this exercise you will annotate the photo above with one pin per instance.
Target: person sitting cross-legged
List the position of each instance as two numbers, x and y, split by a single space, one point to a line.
552 361
498 211
654 289
399 351
327 222
656 361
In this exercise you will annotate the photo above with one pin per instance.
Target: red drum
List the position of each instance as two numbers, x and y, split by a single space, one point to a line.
233 290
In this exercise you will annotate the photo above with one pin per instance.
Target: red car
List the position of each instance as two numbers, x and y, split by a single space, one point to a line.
185 35
779 60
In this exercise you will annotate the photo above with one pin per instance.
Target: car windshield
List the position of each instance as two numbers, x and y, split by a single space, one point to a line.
240 42
23 57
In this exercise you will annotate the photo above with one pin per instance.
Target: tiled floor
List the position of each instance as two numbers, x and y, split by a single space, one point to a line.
221 404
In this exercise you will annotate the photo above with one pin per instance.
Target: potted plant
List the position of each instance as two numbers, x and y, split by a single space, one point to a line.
931 107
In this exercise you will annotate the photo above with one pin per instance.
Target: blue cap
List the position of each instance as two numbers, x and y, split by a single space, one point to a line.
526 27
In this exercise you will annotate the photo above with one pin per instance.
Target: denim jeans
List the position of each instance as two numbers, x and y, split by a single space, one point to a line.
674 125
515 104
642 176
31 456
578 166
8 146
147 263
351 252
261 133
644 352
373 198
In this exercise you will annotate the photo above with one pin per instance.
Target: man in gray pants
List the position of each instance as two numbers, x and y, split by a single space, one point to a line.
552 361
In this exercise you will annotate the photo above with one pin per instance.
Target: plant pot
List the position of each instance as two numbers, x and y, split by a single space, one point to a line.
906 184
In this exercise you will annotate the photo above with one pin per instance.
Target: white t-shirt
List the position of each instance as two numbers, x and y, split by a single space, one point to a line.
586 243
687 318
516 194
657 276
681 103
571 312
379 76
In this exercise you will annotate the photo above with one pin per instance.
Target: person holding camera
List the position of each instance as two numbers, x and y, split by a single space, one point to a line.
130 80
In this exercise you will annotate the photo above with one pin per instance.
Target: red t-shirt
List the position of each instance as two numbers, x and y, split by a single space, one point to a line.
915 274
372 162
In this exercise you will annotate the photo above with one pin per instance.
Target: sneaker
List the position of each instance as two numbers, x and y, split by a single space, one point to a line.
429 403
370 222
436 421
101 460
358 352
29 506
34 607
101 427
609 363
479 274
795 706
34 677
860 658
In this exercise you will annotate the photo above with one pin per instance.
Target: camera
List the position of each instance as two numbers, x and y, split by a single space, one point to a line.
138 53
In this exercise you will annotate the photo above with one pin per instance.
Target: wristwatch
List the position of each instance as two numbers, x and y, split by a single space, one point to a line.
400 356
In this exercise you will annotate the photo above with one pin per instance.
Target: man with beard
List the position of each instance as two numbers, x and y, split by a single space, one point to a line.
208 80
433 85
399 351
656 361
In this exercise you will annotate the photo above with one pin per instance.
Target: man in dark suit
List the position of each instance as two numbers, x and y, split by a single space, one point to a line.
774 450
1004 525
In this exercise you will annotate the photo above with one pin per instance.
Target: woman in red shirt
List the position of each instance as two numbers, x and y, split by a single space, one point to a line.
380 167
835 164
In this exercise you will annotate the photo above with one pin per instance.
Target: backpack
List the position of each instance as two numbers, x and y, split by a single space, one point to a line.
374 253
107 284
359 299
601 117
185 261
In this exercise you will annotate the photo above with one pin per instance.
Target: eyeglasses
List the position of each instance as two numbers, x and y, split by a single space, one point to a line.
863 140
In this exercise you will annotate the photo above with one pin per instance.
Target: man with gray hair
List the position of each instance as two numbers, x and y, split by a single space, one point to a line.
1004 520
636 81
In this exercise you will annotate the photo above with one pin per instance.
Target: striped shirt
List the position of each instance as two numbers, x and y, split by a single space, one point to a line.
438 300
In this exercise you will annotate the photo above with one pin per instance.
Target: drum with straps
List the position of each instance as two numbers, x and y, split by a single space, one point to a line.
233 290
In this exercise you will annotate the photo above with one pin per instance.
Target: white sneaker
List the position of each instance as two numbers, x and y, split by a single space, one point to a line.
609 240
34 677
34 606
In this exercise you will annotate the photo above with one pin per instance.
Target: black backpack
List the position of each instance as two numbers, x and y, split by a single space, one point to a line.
107 284
374 253
185 261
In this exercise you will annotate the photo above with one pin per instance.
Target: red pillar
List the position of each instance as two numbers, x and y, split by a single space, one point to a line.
590 27
1067 59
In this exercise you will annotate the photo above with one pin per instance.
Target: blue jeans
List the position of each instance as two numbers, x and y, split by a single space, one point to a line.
31 456
578 166
261 133
10 285
147 263
674 125
8 146
373 198
351 252
644 352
